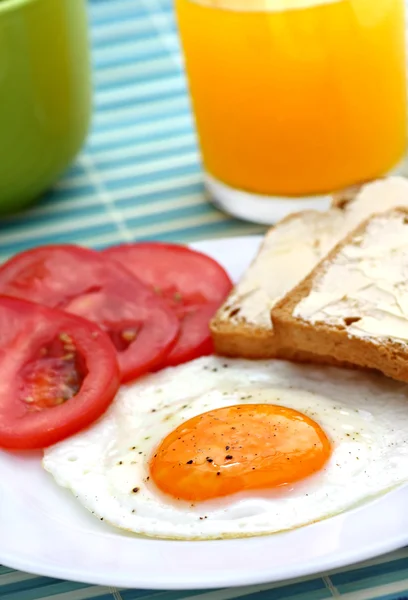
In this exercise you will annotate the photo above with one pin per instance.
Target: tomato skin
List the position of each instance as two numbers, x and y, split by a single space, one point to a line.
173 268
195 336
86 283
25 328
193 285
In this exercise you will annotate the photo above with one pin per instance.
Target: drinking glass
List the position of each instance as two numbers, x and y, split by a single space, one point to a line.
294 99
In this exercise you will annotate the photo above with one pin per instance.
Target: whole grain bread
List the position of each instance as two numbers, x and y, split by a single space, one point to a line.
290 250
354 305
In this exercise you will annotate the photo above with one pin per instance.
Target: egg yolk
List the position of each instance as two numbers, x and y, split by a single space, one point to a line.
237 448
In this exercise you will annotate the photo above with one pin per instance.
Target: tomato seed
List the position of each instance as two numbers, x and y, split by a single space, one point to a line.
69 348
129 335
65 338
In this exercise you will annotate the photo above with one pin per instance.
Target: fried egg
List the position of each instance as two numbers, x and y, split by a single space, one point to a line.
222 448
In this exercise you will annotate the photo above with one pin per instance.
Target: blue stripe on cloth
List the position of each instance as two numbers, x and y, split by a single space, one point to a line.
314 589
395 596
161 130
160 172
376 575
29 589
131 52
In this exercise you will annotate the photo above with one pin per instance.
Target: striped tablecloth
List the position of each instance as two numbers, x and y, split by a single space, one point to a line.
139 178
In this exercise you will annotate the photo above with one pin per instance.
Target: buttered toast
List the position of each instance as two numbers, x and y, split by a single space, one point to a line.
354 304
243 327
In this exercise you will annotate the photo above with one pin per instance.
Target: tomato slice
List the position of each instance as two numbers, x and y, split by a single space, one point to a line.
140 324
193 285
195 337
58 373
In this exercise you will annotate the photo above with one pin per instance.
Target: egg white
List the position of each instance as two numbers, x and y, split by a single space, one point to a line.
365 417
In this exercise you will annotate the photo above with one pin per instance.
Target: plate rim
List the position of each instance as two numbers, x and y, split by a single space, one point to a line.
354 559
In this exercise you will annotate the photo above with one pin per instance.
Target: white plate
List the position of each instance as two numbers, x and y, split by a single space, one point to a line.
45 531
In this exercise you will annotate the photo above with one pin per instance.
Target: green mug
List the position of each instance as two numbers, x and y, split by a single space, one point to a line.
45 94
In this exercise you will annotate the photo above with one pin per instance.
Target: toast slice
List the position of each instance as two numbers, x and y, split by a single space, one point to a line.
354 305
242 327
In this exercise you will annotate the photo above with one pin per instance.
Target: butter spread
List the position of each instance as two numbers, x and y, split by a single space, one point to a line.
292 249
287 255
365 287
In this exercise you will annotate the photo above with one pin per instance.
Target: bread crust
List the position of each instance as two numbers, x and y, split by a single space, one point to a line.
260 344
242 340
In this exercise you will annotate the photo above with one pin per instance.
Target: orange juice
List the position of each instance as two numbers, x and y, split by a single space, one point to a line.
296 97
